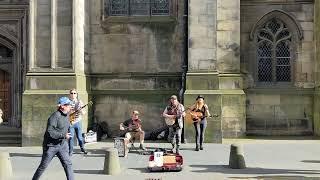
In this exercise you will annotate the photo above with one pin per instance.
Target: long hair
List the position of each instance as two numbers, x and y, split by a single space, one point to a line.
199 105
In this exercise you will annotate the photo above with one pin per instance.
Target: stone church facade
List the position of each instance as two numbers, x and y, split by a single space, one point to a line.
255 61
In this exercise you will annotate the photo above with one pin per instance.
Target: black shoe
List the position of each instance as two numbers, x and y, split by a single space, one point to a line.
84 151
142 147
201 148
197 148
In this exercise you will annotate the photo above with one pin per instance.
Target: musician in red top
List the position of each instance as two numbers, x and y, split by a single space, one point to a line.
133 125
175 111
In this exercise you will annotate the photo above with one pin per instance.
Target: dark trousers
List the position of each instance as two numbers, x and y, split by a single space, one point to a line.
200 128
75 129
174 136
62 151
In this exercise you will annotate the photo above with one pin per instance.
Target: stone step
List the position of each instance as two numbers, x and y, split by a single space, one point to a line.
10 136
10 142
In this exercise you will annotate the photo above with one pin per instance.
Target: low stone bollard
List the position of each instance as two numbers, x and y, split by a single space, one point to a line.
236 159
5 166
111 162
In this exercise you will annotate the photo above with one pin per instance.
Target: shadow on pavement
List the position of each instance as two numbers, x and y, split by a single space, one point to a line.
226 170
25 155
278 178
142 170
88 171
311 161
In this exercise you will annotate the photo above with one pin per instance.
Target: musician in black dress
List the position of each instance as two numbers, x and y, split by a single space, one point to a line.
200 111
134 128
175 111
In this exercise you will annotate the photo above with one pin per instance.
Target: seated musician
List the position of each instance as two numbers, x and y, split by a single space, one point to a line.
134 128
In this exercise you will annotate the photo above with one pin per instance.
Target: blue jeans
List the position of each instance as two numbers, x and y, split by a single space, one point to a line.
200 128
61 150
75 129
174 136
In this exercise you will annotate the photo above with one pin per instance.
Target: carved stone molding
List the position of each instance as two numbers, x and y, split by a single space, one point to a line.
10 28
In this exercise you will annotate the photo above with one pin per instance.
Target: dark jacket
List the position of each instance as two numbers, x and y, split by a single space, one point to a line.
57 128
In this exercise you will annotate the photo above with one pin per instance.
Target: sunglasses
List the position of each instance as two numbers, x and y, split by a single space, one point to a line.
73 93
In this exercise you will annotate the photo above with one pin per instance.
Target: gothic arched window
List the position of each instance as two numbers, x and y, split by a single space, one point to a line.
274 52
138 7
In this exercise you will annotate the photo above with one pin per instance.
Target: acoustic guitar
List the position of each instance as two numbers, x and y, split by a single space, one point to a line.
194 116
73 115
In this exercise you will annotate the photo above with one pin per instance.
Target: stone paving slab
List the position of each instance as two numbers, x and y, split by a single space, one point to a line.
265 159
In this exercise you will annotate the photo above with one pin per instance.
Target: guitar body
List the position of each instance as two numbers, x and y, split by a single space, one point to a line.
193 116
170 121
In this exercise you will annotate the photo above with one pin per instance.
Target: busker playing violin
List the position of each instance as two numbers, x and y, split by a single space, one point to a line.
133 125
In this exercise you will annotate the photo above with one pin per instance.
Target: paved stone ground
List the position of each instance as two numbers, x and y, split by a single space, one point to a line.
265 159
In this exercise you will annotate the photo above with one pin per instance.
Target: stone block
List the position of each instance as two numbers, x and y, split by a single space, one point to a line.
50 83
308 36
207 20
307 26
201 53
292 7
201 82
228 26
228 4
197 7
198 31
230 82
202 42
228 15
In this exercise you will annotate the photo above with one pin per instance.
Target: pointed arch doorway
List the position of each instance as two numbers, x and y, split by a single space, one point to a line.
10 83
5 83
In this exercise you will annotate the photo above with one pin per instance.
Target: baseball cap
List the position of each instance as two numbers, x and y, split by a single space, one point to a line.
173 97
64 101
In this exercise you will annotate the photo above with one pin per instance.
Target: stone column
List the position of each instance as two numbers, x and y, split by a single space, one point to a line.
53 33
78 40
228 58
214 66
316 112
202 75
32 5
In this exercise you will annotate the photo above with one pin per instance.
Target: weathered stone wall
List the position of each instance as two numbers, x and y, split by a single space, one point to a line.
134 64
286 109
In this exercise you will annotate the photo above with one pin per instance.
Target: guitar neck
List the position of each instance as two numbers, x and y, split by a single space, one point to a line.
79 109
